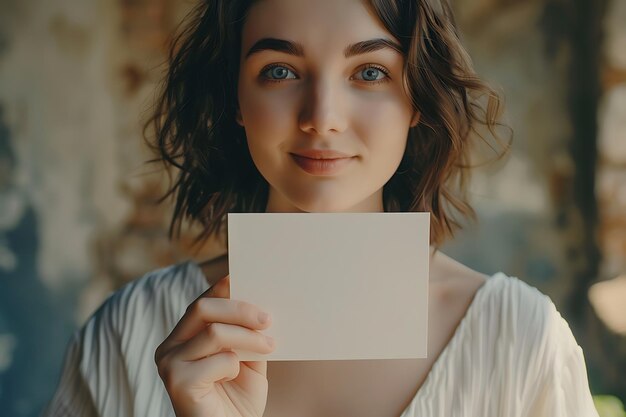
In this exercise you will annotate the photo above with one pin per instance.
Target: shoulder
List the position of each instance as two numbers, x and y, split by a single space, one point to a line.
527 328
523 316
157 296
457 283
548 364
517 317
112 350
539 330
522 308
130 322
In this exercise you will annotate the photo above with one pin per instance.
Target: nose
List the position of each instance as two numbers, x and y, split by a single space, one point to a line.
323 109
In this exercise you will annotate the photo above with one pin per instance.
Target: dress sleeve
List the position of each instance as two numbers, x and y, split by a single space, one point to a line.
561 388
94 381
72 397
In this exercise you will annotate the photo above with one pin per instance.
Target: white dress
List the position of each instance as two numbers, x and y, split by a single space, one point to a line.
512 355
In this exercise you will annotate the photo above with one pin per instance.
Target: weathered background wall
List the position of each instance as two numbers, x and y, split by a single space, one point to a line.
76 218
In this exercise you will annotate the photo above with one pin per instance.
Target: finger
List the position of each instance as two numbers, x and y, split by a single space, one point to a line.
211 290
257 366
218 337
217 310
221 289
251 375
201 374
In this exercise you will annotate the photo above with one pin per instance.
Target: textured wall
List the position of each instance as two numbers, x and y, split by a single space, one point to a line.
612 144
75 214
517 203
609 349
76 218
56 129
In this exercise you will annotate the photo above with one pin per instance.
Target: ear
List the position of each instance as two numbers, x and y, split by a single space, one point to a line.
416 119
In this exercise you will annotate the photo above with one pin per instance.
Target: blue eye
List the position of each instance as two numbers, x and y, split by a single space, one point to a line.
277 73
372 74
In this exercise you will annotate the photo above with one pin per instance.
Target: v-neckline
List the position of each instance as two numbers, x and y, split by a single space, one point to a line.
453 343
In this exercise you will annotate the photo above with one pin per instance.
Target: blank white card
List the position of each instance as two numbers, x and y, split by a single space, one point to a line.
338 285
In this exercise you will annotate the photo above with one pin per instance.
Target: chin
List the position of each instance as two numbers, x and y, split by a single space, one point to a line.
327 197
323 208
324 205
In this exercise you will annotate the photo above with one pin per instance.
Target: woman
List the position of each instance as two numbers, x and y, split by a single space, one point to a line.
324 106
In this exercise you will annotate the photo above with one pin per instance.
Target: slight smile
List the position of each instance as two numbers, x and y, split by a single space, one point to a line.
321 163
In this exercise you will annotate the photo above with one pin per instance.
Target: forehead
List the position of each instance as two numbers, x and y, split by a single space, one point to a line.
322 25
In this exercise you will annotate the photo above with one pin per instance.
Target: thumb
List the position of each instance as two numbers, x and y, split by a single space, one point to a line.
221 289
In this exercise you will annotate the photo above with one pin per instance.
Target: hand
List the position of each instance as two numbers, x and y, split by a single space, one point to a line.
201 373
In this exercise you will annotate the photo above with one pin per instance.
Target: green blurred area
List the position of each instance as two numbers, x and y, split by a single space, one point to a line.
609 406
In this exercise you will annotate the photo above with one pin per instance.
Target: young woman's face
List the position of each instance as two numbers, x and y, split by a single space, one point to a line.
325 130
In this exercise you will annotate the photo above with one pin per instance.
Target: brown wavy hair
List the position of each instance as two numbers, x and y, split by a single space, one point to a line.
196 133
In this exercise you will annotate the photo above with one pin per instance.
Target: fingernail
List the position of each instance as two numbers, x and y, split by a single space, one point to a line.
270 341
263 317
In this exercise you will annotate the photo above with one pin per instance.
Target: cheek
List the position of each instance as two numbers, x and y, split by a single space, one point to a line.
384 126
263 109
267 120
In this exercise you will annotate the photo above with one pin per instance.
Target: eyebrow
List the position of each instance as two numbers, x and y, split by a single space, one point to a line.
296 49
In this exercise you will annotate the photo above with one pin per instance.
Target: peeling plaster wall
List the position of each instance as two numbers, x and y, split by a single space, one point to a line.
54 92
56 137
77 218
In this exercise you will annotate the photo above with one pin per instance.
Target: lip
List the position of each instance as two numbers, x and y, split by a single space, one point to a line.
321 162
321 154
